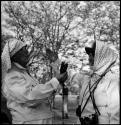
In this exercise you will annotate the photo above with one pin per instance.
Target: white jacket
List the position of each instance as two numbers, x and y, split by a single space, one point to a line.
106 96
108 99
26 98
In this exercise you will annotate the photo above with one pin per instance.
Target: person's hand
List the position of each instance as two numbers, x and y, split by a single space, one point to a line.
62 77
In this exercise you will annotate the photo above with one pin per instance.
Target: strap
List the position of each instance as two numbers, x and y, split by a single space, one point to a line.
93 101
83 95
92 91
90 94
96 83
85 104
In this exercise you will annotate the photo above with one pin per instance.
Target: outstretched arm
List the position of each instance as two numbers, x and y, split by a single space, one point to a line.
19 88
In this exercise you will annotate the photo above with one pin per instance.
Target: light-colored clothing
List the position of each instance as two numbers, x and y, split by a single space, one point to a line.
81 81
104 57
107 92
43 121
11 47
108 99
106 96
28 100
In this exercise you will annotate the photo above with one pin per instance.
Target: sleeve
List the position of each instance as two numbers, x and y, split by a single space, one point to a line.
114 100
111 114
20 88
76 82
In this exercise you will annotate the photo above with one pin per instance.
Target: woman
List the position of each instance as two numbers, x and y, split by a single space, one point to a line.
105 70
27 99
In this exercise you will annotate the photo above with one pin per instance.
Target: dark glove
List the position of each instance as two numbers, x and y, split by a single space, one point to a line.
65 90
62 78
63 67
52 56
78 111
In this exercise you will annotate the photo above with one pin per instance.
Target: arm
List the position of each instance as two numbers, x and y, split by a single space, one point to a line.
114 99
20 88
111 114
76 82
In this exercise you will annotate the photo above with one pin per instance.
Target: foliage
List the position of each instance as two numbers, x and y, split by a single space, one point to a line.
101 19
44 24
65 27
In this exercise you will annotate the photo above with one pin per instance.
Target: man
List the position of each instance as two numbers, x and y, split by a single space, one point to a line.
27 99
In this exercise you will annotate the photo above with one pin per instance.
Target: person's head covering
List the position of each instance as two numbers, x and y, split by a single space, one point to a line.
104 57
11 47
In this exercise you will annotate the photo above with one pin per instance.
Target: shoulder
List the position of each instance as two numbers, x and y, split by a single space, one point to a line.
13 74
14 78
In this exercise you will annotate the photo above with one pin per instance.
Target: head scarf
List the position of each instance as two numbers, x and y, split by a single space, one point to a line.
104 57
12 46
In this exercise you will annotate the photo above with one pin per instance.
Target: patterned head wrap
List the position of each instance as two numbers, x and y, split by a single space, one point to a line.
12 46
104 57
